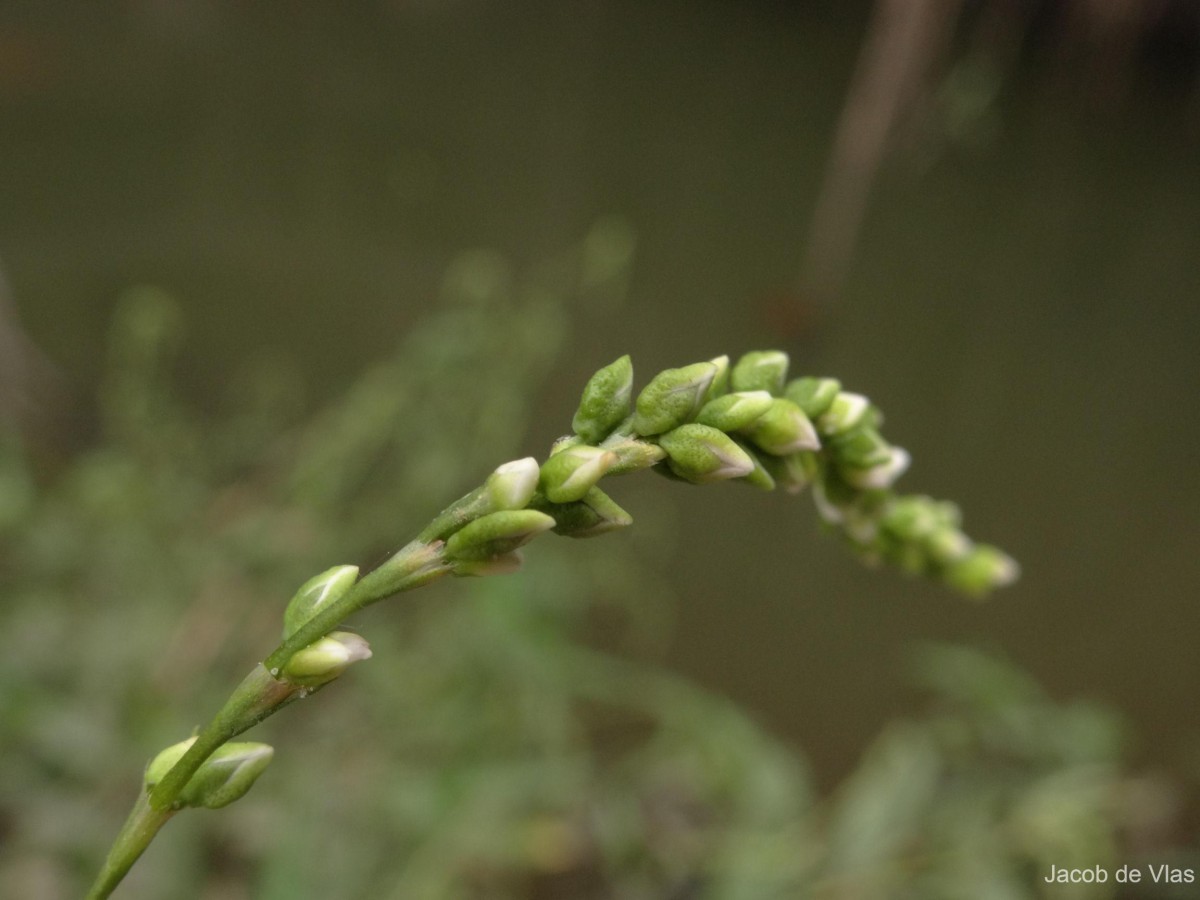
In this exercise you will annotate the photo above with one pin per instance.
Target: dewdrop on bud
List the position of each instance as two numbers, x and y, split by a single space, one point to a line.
701 454
496 534
734 411
881 476
316 594
783 429
606 401
760 370
512 484
164 762
983 569
569 475
672 398
227 775
325 659
813 395
845 412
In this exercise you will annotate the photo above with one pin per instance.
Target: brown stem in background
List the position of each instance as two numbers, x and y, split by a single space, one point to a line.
903 39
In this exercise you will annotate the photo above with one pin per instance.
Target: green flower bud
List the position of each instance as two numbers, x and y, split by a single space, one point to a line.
632 454
906 555
317 593
881 476
226 775
760 370
672 398
861 448
793 472
783 429
595 514
164 762
847 411
701 454
605 401
813 395
983 569
947 545
569 475
496 534
734 411
513 483
504 564
911 518
325 659
720 382
760 476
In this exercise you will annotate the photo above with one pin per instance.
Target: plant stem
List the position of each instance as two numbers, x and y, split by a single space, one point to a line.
136 834
253 700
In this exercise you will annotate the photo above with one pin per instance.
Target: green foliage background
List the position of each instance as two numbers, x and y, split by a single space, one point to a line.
512 737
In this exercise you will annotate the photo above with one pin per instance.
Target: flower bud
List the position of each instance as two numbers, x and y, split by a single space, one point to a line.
701 454
911 518
569 475
947 545
734 411
860 448
813 395
596 513
504 564
325 659
793 472
672 398
844 413
720 382
226 775
983 569
605 401
164 762
783 429
316 594
760 477
760 370
632 454
881 476
496 534
513 483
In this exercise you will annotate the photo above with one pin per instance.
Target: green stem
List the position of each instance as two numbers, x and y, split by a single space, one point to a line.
258 696
136 834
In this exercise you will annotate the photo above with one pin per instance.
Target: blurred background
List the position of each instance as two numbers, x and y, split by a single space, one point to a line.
280 281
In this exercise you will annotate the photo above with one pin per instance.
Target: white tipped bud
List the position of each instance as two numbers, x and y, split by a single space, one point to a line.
324 660
316 594
881 476
700 454
512 485
733 411
672 398
760 370
227 775
569 475
783 429
845 412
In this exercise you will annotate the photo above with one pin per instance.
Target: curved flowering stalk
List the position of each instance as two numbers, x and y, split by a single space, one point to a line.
701 423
